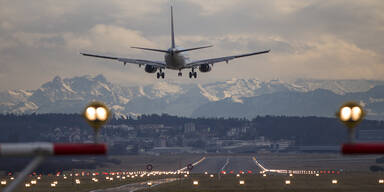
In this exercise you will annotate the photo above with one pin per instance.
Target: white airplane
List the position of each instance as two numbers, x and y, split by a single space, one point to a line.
175 59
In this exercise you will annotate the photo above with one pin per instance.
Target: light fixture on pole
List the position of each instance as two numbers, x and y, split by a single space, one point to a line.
351 114
96 114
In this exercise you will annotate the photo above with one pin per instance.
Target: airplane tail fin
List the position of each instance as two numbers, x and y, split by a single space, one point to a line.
172 30
172 42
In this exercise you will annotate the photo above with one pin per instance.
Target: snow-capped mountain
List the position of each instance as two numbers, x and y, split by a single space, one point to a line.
236 97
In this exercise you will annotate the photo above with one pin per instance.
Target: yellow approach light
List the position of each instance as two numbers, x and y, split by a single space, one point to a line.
96 114
351 114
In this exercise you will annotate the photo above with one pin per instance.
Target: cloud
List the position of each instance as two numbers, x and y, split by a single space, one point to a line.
313 39
108 39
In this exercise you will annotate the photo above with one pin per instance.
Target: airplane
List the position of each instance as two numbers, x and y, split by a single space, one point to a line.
175 59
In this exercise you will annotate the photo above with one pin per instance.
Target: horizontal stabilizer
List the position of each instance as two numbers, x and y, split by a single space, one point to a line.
149 49
191 49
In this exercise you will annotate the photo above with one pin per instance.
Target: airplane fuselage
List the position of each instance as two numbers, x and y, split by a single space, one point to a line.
175 61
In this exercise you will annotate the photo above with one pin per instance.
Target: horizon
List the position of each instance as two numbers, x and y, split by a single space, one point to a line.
186 82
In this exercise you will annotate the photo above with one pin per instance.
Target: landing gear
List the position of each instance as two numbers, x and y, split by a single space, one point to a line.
192 74
160 74
179 74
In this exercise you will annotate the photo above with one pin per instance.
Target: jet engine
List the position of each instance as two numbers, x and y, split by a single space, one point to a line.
205 68
150 69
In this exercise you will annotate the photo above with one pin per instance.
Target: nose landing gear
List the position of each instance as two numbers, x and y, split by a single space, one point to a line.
179 74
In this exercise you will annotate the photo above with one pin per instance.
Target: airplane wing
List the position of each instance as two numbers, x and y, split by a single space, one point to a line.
221 59
158 64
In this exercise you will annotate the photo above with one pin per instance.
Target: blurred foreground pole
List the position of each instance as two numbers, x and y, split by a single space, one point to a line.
362 148
40 150
20 178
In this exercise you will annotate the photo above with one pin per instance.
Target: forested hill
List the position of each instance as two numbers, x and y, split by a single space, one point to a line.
59 127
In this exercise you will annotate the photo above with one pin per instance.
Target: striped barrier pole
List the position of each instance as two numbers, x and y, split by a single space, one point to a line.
362 148
40 150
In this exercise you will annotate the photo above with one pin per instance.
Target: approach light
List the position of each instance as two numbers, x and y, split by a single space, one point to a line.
351 114
241 182
381 181
96 114
149 183
287 182
334 181
195 182
345 113
27 185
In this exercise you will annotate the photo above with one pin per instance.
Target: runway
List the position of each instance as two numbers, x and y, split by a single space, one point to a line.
234 164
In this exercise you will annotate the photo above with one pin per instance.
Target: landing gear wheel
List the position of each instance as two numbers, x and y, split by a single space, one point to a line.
158 75
195 75
190 75
162 75
179 74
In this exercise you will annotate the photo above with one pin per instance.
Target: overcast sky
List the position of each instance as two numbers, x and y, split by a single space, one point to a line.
335 39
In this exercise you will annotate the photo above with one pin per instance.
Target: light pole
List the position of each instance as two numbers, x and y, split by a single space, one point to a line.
351 114
96 114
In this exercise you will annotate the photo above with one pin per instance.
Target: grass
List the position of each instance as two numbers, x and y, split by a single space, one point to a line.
255 182
86 183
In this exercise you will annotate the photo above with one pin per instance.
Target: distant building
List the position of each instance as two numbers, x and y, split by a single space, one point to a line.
319 149
370 135
189 127
151 126
174 150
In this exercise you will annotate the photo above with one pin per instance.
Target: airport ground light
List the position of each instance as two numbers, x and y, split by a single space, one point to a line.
96 114
351 114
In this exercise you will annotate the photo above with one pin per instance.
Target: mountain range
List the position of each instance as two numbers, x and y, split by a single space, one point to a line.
232 98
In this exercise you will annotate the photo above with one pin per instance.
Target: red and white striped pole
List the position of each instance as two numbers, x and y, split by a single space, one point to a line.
40 150
362 148
51 149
